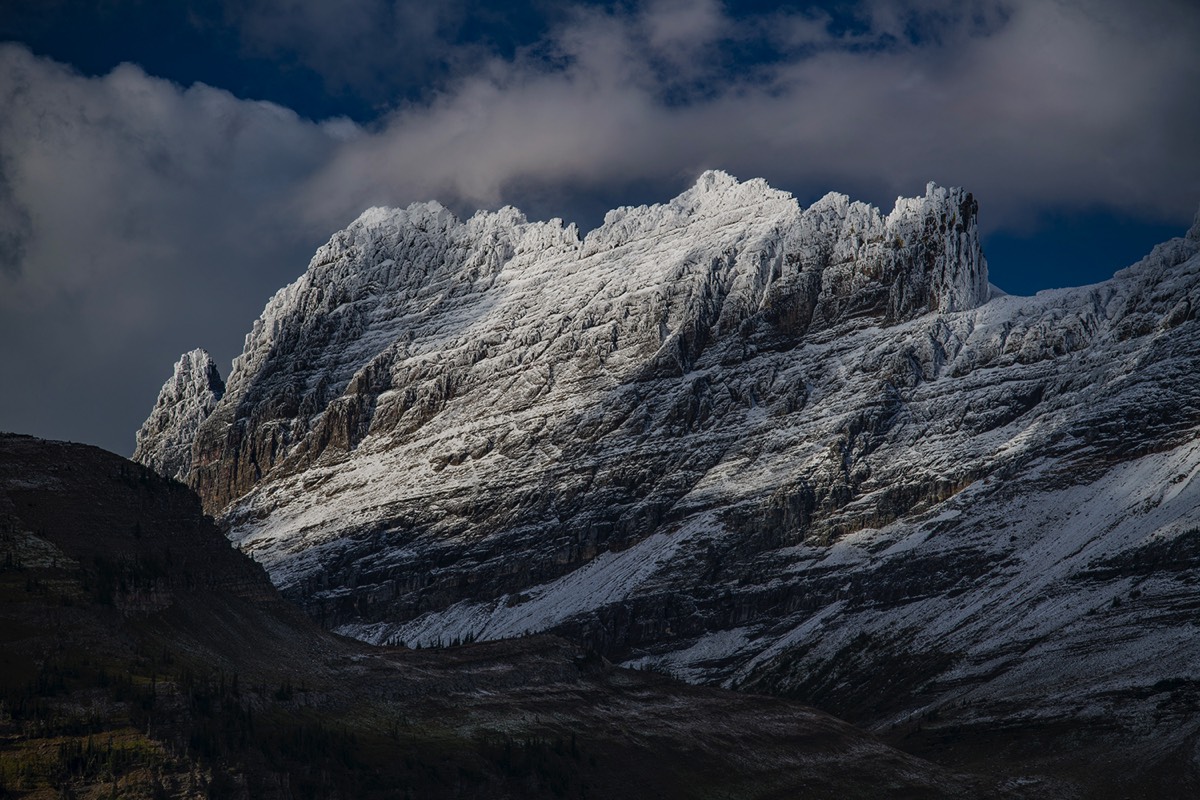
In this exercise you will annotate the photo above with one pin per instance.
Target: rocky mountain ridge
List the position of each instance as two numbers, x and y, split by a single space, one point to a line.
749 443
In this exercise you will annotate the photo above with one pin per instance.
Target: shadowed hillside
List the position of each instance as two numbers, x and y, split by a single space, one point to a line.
144 657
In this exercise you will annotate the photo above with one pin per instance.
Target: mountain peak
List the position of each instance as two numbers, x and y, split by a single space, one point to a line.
164 442
714 194
1194 232
716 187
714 180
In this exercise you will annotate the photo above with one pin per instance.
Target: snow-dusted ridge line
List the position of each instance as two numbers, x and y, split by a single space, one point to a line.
451 273
726 435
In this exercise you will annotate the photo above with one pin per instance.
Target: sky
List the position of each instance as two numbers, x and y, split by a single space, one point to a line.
166 167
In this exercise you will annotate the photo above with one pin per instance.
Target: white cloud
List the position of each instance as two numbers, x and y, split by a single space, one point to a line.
1030 105
679 31
146 214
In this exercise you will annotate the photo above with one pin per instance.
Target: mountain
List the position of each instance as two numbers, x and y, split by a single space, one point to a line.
143 657
810 452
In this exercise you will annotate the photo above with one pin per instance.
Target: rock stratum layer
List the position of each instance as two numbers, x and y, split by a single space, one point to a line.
806 451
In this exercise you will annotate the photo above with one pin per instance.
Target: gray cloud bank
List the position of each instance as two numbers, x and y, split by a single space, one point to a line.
139 219
1057 104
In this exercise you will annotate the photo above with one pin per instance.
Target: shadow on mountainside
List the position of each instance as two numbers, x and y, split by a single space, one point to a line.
144 657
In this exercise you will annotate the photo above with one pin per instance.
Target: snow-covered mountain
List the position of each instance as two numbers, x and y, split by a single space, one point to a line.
806 451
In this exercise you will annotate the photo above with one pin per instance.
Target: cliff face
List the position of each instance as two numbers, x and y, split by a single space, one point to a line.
750 443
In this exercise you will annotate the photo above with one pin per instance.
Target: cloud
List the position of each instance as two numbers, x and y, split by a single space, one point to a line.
1031 104
367 47
15 226
139 218
142 216
679 31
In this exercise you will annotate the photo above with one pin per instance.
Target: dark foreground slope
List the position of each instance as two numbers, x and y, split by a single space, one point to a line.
142 656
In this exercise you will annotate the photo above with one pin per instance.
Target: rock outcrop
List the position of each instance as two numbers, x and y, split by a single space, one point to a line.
164 442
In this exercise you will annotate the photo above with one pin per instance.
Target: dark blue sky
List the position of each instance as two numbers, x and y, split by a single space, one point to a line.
164 167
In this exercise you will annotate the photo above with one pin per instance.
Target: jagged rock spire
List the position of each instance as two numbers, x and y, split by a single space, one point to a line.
164 442
944 225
